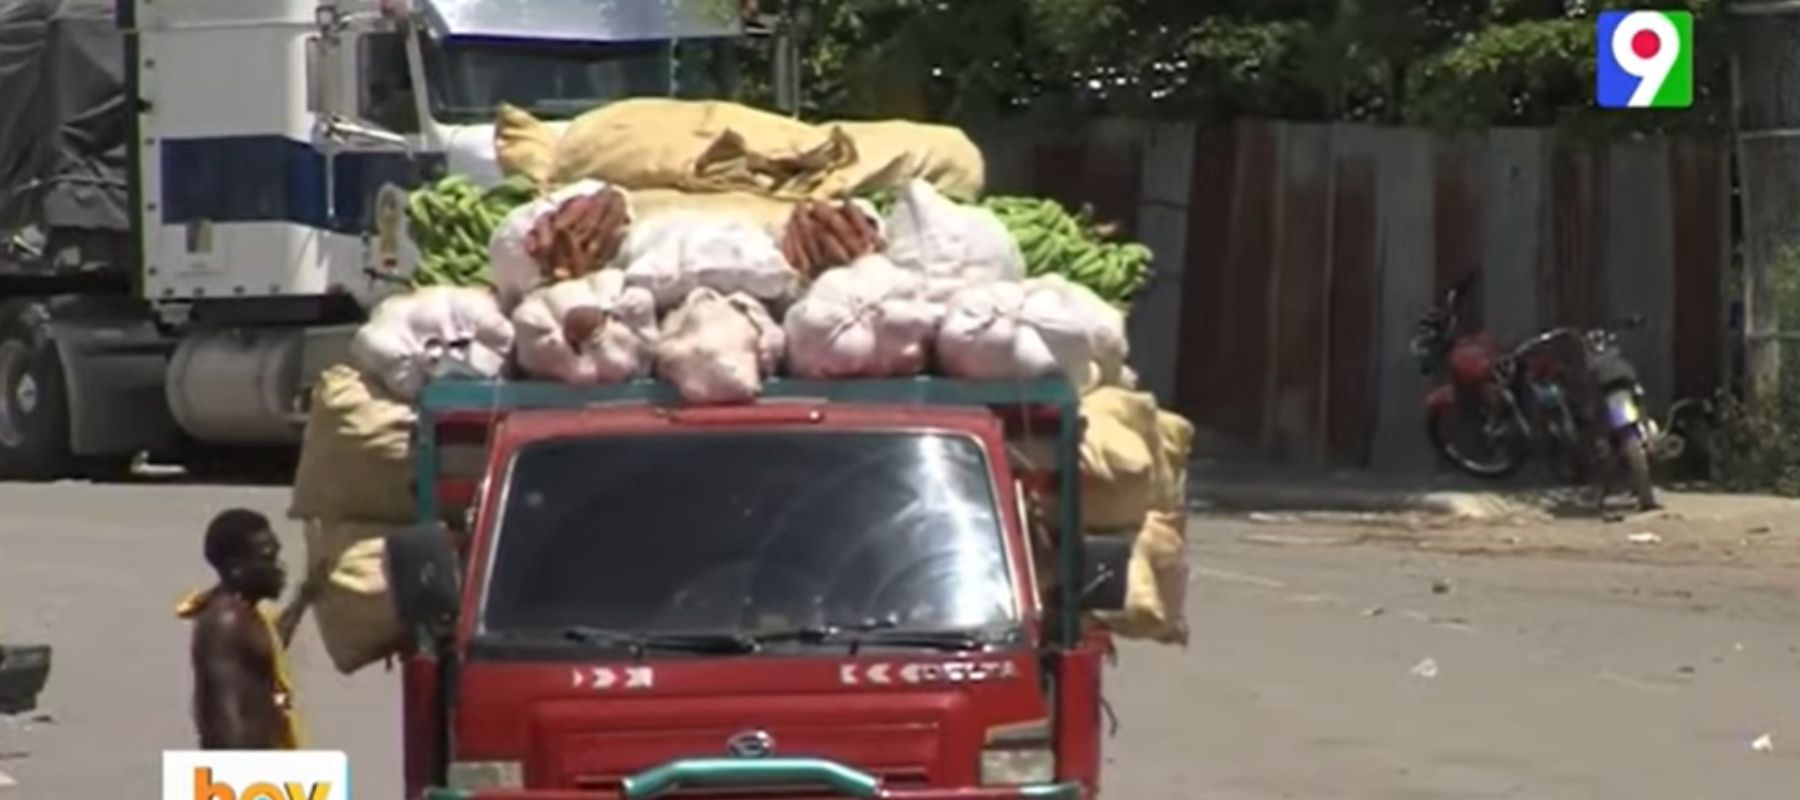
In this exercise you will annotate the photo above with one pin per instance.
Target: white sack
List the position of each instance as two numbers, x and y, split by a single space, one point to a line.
675 254
954 245
621 348
1106 331
516 273
1015 331
867 320
717 348
413 336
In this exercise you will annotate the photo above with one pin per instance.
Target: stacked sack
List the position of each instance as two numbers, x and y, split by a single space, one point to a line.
711 246
353 485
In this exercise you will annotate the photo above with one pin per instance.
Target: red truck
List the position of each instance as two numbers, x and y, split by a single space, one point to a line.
839 591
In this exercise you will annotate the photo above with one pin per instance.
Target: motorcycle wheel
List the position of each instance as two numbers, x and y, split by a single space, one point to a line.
1503 458
1635 455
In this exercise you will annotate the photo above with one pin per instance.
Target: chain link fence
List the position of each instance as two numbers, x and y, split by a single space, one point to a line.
1756 441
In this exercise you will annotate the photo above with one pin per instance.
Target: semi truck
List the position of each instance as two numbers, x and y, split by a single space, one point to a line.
201 199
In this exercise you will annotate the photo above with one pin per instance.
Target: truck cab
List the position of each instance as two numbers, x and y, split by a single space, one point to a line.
833 592
200 199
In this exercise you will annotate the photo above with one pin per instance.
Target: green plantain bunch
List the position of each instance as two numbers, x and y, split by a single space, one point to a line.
1055 241
452 220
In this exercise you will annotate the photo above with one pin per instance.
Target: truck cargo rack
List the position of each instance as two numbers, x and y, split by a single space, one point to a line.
1055 396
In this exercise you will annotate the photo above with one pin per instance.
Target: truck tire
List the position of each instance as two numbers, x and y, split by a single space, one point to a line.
34 406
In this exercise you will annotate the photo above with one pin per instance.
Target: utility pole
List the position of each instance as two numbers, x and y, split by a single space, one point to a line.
790 33
1766 132
784 30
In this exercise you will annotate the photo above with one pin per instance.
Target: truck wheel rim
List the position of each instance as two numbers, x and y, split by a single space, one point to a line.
18 394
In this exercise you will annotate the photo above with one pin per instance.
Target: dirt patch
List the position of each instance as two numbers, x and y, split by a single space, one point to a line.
1724 530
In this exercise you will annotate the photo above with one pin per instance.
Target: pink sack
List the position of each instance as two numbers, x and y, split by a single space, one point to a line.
718 348
593 329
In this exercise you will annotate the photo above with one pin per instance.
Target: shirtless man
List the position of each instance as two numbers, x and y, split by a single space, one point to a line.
242 691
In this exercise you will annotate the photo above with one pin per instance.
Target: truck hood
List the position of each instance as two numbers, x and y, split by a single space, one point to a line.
469 151
911 723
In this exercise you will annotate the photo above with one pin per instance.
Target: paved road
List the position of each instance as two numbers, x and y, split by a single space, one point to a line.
1553 679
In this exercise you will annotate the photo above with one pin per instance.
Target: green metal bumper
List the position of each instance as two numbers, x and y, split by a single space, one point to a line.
722 773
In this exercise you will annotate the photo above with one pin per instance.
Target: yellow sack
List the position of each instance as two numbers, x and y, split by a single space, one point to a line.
356 455
354 612
524 144
1177 437
1122 463
765 212
711 146
1156 584
698 146
889 154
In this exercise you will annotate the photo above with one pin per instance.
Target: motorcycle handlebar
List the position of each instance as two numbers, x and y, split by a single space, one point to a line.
1632 322
1544 338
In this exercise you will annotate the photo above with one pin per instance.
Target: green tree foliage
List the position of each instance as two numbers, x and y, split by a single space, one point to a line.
1442 63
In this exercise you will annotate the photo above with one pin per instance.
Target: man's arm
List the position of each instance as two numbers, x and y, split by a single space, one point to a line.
233 701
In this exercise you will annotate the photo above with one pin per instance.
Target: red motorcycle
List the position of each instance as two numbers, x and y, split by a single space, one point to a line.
1495 408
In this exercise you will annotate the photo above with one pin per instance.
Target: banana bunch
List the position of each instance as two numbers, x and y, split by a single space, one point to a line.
1056 241
452 220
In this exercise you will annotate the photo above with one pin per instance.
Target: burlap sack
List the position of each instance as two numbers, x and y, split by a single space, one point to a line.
1156 593
356 456
706 146
1177 436
893 152
1122 461
765 212
354 612
524 145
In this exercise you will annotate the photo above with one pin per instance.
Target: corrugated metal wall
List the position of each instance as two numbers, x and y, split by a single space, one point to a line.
1294 259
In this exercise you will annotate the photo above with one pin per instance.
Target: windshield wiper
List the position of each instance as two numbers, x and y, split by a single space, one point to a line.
640 643
880 633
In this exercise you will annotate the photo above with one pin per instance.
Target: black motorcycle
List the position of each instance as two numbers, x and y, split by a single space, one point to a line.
1623 437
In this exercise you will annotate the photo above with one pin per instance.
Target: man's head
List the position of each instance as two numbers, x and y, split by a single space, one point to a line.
242 547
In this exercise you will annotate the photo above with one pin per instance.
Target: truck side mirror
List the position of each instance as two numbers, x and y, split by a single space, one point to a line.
425 579
1105 570
322 90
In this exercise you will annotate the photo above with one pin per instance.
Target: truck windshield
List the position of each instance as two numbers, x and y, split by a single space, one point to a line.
750 532
469 78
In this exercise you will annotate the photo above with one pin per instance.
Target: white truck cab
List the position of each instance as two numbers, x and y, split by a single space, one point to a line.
266 148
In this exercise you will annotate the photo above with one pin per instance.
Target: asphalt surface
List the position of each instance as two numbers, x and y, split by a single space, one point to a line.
1315 671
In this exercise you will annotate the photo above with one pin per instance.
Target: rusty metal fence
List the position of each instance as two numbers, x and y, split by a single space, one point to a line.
1293 260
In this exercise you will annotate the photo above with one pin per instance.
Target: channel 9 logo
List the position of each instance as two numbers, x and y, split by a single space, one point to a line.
255 775
1645 59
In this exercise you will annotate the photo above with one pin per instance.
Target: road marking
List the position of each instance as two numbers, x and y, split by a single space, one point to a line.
1238 577
6 781
1632 683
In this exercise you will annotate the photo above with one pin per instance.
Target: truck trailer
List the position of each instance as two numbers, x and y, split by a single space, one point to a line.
201 199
